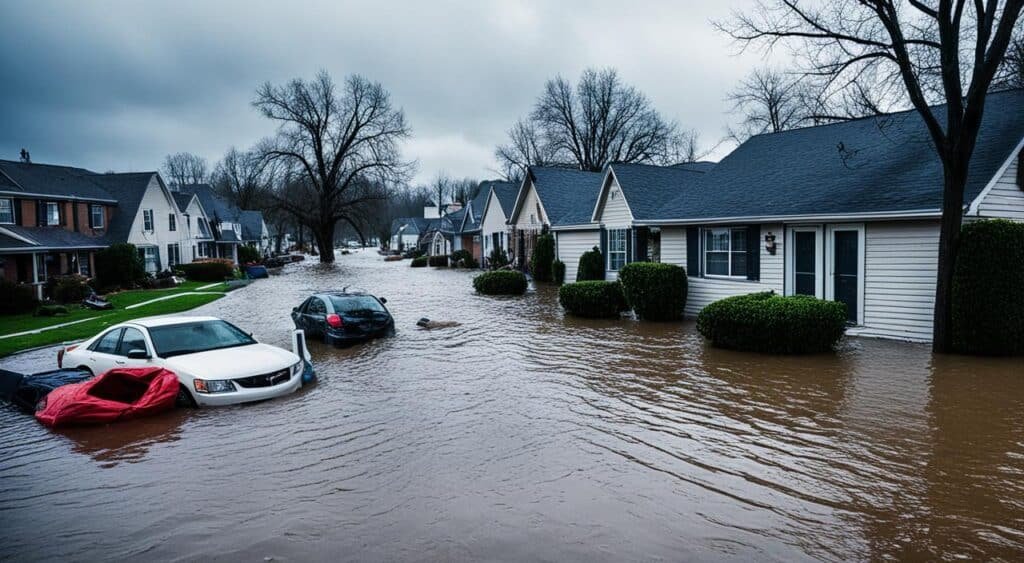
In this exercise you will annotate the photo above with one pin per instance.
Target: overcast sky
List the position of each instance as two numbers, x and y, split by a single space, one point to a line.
118 85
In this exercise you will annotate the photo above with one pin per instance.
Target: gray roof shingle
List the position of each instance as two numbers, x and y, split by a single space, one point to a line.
128 189
182 200
870 165
647 188
568 196
50 180
506 193
52 237
252 225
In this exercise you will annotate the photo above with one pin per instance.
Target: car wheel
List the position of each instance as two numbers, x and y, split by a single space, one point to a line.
184 398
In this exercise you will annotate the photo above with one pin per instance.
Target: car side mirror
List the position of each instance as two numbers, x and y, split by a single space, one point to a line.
295 309
383 300
138 354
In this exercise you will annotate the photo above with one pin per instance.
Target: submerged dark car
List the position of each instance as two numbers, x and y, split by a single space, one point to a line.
344 317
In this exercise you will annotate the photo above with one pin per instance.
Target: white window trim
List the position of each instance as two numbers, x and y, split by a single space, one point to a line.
147 217
624 252
172 223
704 254
10 202
92 216
56 207
819 261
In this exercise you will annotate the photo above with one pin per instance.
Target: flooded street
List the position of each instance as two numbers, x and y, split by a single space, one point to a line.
525 435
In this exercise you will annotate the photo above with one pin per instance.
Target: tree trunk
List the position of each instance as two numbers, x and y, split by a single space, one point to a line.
325 242
949 246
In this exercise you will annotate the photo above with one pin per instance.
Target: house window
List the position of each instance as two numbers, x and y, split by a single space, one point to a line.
52 213
204 230
6 211
151 258
96 216
172 222
83 263
147 220
725 252
616 249
188 223
173 255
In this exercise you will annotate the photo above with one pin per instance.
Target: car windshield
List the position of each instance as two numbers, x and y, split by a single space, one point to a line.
356 304
190 338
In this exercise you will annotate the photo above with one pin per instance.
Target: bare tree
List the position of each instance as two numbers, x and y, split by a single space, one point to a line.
940 51
344 144
587 126
768 101
246 178
184 169
1012 73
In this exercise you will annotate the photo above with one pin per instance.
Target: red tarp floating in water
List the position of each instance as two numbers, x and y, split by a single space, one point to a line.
119 394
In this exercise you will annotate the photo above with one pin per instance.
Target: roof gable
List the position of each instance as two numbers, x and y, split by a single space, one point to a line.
567 197
646 188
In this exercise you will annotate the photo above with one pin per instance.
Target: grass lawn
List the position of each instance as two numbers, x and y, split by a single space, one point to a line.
20 323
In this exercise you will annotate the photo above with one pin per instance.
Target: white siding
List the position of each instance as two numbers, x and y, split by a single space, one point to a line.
572 245
614 211
1006 199
531 207
160 201
703 291
901 261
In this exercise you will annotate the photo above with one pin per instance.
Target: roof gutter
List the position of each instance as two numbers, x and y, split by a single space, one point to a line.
913 214
56 197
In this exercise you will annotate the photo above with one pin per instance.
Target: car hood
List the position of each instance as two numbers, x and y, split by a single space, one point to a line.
231 363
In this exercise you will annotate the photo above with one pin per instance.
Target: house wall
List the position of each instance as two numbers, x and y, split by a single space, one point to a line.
162 205
531 207
614 212
1006 199
570 245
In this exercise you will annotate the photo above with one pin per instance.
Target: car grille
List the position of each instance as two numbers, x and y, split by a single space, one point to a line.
265 380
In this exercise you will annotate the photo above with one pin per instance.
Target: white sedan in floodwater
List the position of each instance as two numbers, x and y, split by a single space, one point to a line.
216 362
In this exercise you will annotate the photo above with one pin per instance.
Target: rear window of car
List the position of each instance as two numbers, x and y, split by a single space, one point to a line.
355 303
191 338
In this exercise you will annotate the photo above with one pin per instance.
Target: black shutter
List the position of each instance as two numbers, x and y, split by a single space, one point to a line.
16 207
642 234
74 216
630 241
754 252
604 244
693 251
40 213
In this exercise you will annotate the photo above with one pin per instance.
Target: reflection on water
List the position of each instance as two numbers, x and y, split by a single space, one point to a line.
523 434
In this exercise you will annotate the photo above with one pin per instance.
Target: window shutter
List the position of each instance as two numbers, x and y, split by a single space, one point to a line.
754 252
630 242
604 244
40 213
642 234
16 207
693 251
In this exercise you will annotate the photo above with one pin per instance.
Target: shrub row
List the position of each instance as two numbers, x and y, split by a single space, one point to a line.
594 299
419 262
16 298
500 282
68 289
439 261
497 260
248 255
655 291
988 289
464 259
208 269
773 324
591 265
119 266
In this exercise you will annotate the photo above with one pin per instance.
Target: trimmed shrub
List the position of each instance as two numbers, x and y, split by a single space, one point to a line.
419 262
988 289
594 299
464 259
591 265
500 282
542 257
558 272
248 255
497 260
16 298
773 324
68 289
209 269
655 291
439 261
119 265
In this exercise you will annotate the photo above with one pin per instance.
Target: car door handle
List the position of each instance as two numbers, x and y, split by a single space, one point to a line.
119 362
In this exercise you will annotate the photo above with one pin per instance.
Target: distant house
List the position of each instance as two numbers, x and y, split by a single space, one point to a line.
254 231
473 219
494 228
560 200
197 226
405 232
225 220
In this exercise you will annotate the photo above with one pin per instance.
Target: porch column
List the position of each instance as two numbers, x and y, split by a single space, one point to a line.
35 277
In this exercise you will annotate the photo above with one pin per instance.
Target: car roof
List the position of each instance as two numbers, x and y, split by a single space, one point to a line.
167 321
343 293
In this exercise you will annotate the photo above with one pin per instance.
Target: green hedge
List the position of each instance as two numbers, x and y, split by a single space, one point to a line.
419 262
497 260
591 265
558 272
248 255
594 299
16 298
119 265
208 270
71 288
542 257
772 324
439 261
464 259
655 291
988 289
500 282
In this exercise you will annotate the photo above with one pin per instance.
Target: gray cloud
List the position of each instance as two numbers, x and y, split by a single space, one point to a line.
117 85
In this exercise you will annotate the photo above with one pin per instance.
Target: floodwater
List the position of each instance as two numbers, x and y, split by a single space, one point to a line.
525 435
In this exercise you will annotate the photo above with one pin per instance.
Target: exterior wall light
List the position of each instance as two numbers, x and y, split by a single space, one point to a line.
769 243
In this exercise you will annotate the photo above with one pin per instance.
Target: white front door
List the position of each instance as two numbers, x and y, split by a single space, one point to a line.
805 264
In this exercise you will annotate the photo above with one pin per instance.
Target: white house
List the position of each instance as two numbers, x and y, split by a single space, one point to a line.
197 226
494 229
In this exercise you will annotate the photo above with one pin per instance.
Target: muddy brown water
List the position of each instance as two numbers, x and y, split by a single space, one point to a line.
525 435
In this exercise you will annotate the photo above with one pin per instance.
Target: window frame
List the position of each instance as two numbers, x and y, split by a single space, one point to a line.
729 253
56 208
173 254
94 347
624 252
10 204
147 221
172 222
93 209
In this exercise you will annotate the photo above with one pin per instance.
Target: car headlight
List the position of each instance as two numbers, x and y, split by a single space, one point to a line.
297 368
213 385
